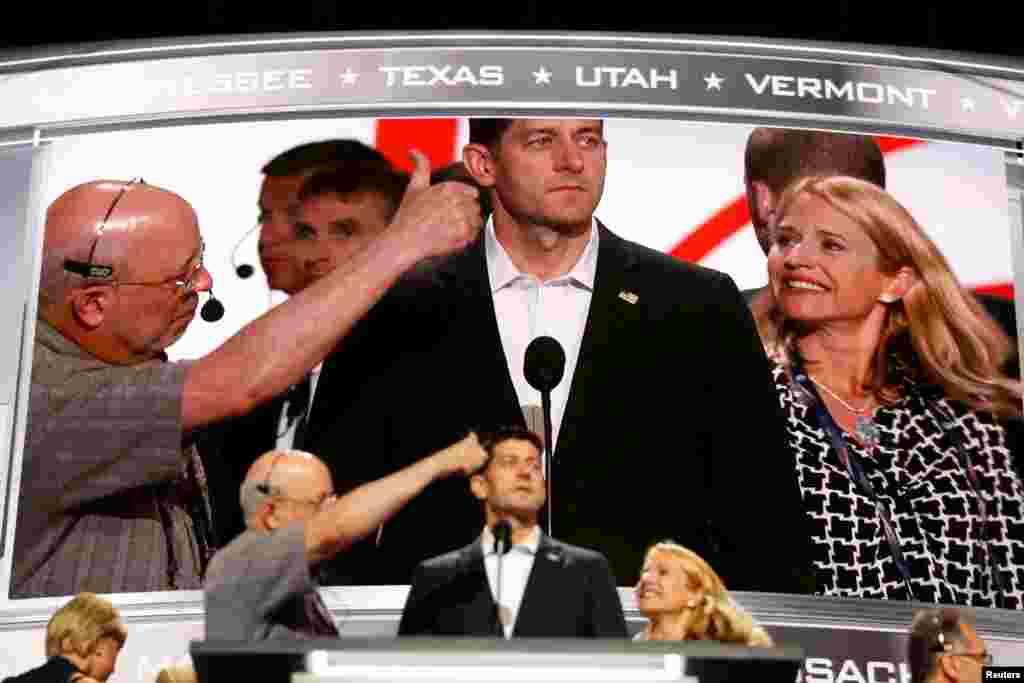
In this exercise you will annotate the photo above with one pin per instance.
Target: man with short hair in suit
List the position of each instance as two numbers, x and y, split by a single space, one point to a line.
540 588
664 425
279 203
319 203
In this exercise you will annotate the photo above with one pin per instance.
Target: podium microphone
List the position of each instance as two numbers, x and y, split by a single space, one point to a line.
242 270
212 310
502 537
543 368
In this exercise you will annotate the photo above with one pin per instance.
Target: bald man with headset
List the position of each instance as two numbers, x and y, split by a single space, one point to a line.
113 496
262 585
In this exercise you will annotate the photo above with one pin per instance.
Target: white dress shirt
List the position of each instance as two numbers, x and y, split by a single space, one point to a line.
285 429
515 572
527 308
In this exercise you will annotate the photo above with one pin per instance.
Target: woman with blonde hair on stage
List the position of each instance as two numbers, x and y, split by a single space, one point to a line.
684 599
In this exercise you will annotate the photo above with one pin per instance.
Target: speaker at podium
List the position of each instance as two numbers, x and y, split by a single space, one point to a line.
487 660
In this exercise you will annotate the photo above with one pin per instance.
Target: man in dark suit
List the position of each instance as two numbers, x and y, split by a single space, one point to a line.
665 424
536 588
283 177
319 203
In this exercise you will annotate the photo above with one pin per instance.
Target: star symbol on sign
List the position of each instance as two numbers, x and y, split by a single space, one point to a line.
349 77
714 81
542 77
967 104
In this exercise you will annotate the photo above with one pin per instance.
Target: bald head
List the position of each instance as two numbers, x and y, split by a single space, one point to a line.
936 632
776 157
147 236
79 218
291 475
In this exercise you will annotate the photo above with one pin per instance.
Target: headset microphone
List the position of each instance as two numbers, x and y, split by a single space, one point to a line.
212 310
242 270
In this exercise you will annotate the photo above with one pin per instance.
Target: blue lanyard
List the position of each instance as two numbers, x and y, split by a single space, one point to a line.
855 470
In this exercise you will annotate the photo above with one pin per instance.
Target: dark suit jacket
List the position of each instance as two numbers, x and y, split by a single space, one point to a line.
570 593
672 427
55 670
228 448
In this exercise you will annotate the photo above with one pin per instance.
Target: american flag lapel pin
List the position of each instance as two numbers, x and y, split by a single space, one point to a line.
628 297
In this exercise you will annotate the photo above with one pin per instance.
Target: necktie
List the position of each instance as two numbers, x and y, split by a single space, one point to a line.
298 409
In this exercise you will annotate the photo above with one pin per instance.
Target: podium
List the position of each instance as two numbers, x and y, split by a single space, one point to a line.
364 660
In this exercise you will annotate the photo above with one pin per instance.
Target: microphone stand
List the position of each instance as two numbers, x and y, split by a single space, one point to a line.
502 542
545 402
497 600
543 367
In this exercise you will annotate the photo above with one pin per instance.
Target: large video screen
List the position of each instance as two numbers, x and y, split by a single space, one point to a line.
673 187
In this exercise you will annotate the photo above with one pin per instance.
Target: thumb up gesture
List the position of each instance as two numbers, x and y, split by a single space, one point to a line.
436 219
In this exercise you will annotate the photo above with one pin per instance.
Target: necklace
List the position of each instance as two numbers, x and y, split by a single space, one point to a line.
864 428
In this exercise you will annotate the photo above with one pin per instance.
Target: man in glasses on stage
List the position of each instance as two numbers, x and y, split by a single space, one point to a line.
944 647
113 496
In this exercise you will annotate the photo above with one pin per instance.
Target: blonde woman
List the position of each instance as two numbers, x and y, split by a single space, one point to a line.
177 673
684 599
887 372
83 640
